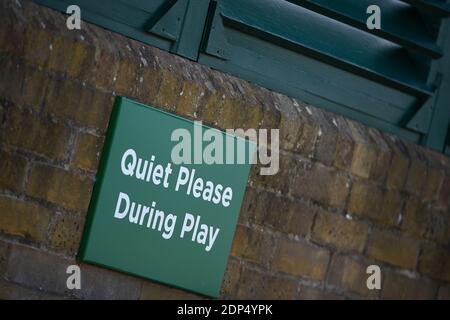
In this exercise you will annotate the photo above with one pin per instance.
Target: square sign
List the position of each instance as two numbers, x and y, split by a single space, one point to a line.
159 218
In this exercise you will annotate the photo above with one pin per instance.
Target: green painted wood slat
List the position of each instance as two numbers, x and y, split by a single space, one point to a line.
401 23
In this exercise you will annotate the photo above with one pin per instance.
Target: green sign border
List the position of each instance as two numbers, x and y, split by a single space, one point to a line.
118 104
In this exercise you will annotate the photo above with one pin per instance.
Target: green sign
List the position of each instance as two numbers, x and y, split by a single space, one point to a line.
157 218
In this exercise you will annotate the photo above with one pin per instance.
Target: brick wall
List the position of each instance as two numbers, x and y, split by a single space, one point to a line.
346 196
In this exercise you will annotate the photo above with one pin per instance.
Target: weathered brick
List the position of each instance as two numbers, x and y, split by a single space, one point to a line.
11 80
169 90
87 151
34 88
277 212
311 293
435 179
126 76
326 145
370 201
417 176
38 47
155 291
257 285
249 207
301 259
106 67
71 56
2 114
435 263
265 208
438 226
63 188
231 278
66 234
344 152
86 107
47 272
322 184
12 36
393 249
253 116
4 254
398 171
148 85
12 291
283 180
444 196
380 169
29 131
12 171
99 283
229 114
364 159
251 244
290 125
299 218
82 59
396 286
415 217
37 269
63 98
188 102
307 140
60 55
351 275
23 219
444 293
211 107
337 231
271 117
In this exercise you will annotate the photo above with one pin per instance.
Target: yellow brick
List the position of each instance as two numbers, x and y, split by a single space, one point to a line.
371 201
393 249
301 259
350 274
335 230
87 151
250 244
188 102
42 136
398 171
155 291
257 285
169 90
364 159
66 189
435 262
23 219
85 106
396 286
66 234
12 171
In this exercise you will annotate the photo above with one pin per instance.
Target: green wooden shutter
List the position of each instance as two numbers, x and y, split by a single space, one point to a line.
171 25
320 51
